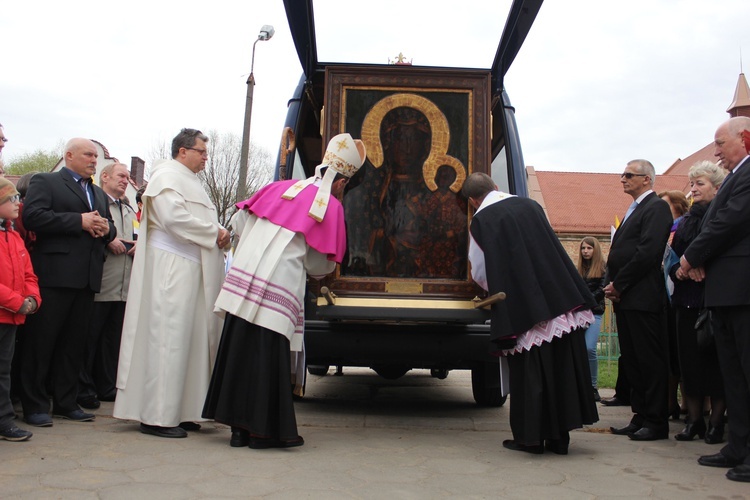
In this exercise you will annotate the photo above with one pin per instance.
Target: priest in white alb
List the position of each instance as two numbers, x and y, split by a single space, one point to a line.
171 333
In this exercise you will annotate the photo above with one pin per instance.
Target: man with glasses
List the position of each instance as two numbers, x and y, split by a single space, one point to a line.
170 333
637 290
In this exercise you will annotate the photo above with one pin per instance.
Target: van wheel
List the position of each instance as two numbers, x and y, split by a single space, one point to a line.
391 372
319 370
485 385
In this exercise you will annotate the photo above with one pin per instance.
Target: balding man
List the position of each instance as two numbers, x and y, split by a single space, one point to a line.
71 219
723 249
636 287
103 345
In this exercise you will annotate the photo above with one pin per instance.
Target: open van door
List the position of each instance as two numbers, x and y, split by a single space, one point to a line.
403 297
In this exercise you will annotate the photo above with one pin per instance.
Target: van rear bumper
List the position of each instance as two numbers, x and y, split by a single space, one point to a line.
412 344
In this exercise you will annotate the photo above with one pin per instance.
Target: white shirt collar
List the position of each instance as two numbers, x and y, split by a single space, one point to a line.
493 197
643 195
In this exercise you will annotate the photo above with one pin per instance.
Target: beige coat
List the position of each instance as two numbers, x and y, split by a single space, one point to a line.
116 274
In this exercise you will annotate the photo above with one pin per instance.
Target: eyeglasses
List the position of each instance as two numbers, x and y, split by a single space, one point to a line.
15 198
629 175
202 152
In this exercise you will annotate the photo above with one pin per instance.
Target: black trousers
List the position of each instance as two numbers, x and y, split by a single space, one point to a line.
645 357
622 386
54 350
732 336
7 343
99 372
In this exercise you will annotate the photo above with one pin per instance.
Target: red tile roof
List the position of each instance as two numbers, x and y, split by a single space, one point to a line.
587 203
681 167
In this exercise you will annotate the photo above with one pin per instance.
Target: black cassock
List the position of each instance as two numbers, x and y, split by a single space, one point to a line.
550 384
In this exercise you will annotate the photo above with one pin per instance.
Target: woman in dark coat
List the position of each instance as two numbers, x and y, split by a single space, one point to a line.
699 366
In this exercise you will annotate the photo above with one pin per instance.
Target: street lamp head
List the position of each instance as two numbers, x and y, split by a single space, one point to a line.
266 32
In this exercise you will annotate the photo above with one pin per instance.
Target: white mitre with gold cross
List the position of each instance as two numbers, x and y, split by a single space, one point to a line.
343 155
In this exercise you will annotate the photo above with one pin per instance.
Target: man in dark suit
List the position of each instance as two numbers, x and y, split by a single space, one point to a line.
637 290
72 222
721 254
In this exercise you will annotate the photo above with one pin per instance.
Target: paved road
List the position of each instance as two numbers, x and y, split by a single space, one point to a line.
366 438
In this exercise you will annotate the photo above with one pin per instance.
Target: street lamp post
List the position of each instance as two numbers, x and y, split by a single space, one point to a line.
266 32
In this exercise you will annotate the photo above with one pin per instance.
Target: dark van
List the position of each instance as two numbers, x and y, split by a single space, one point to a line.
403 298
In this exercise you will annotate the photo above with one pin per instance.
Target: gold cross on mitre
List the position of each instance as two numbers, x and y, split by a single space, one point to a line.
342 144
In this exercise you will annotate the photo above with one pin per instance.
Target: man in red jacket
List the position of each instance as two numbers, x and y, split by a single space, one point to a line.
19 296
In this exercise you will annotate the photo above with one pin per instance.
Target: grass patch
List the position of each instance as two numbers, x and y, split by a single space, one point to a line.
607 373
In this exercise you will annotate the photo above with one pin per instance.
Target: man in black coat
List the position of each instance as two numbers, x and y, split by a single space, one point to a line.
721 254
540 326
637 289
72 222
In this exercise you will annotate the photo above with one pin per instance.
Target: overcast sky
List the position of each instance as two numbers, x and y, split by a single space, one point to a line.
596 84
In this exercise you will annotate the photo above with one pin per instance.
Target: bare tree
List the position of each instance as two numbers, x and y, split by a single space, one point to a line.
221 175
160 150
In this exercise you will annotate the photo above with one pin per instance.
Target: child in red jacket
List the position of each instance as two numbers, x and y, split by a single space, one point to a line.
19 296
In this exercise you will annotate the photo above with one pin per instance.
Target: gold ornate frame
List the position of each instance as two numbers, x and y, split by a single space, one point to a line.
456 104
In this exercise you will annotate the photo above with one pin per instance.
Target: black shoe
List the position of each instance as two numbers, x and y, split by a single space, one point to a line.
646 434
715 434
89 402
108 397
557 446
624 431
597 397
13 433
739 473
240 438
75 416
613 402
165 432
38 420
512 445
190 426
697 428
718 460
259 443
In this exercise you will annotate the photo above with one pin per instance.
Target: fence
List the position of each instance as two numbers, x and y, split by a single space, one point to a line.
609 347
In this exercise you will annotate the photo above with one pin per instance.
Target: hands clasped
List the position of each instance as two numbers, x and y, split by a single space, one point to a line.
686 271
96 225
611 292
223 238
29 306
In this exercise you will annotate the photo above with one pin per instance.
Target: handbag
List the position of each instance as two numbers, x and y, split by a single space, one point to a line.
704 329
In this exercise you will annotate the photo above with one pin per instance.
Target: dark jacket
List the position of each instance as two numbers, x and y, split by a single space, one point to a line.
65 256
723 245
596 287
524 259
687 293
635 256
